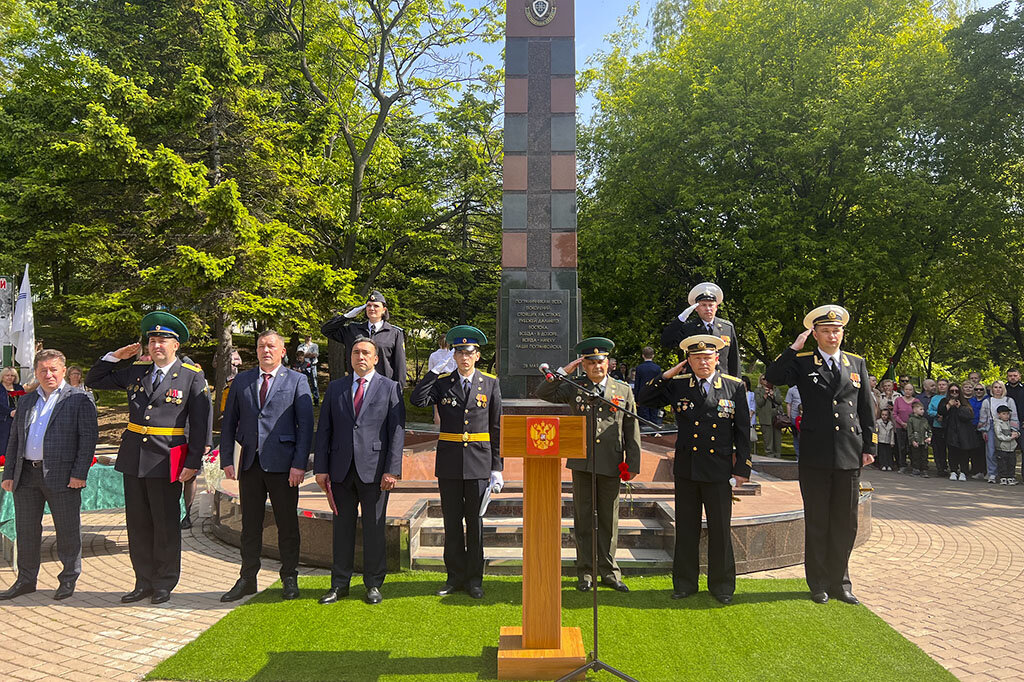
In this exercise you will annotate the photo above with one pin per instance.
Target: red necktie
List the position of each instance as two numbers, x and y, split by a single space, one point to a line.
263 389
357 402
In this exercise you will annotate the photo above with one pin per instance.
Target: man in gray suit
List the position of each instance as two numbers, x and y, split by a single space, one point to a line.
51 447
358 461
269 412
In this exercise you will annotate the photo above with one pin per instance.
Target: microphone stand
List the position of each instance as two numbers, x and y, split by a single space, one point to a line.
594 399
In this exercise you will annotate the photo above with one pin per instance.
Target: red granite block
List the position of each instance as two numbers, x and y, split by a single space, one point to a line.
563 249
513 250
563 171
515 95
563 95
514 173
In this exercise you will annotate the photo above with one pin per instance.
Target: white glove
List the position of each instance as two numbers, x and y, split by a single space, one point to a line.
686 313
496 483
355 311
446 363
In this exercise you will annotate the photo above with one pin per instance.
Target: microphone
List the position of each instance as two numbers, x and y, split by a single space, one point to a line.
545 369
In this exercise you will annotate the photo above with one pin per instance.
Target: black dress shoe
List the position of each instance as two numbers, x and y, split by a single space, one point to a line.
64 590
332 595
290 588
476 592
19 588
820 597
160 596
615 584
682 594
241 589
373 596
585 585
138 594
448 589
725 599
847 597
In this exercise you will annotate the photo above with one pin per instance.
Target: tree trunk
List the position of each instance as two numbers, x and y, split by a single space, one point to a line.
335 359
221 358
904 342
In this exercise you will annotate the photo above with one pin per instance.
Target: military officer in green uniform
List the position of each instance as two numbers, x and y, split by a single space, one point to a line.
468 459
156 456
837 439
704 300
712 446
616 440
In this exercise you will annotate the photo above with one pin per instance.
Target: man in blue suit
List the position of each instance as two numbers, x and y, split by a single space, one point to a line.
269 412
358 461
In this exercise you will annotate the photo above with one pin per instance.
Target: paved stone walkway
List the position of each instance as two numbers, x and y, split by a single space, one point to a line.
943 566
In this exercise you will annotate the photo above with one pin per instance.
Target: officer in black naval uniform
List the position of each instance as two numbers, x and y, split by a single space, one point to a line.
704 300
163 394
617 439
837 438
468 460
713 444
390 339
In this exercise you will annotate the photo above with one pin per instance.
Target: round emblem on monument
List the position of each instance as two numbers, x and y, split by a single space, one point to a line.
540 12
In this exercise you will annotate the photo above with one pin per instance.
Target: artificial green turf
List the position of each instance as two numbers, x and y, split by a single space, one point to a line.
773 631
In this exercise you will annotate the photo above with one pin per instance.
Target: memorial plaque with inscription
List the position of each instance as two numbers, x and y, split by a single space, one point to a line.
538 329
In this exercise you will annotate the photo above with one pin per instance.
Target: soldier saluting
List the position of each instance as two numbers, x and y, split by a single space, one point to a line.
617 439
468 460
713 444
155 456
389 338
704 299
837 438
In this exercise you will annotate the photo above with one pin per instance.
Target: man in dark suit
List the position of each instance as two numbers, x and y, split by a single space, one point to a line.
646 371
358 461
704 299
837 438
389 339
156 457
50 449
468 460
270 414
617 440
713 444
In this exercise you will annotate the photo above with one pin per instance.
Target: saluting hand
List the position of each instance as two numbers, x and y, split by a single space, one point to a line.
801 340
571 367
129 351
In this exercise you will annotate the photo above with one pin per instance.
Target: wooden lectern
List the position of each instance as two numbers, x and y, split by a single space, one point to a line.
541 649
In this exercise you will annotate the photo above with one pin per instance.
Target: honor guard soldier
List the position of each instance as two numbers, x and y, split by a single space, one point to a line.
837 438
705 299
155 456
468 460
712 445
390 339
616 439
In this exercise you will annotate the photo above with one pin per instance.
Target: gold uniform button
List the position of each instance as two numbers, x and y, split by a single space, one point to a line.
712 451
696 435
712 437
465 445
714 426
853 429
853 416
467 421
145 440
837 428
851 403
837 415
149 407
835 402
467 411
695 448
696 423
597 440
147 417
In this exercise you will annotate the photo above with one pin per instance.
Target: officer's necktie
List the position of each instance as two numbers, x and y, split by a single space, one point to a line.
157 378
369 330
703 388
710 329
834 369
465 388
264 389
357 401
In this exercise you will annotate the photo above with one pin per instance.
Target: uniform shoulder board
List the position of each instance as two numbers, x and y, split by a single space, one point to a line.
191 367
805 354
442 376
397 328
854 355
143 362
777 357
490 376
729 376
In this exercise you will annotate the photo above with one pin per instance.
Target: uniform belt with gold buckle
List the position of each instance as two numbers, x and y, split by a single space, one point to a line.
156 430
464 437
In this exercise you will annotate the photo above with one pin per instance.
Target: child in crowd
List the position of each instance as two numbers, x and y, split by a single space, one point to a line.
884 426
1006 441
919 434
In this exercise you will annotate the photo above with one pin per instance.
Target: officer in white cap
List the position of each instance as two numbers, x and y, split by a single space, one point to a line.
704 299
837 438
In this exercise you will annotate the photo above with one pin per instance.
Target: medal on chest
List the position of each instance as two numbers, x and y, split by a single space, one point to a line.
173 395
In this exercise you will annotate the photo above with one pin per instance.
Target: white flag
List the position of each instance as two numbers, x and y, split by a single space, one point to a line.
23 328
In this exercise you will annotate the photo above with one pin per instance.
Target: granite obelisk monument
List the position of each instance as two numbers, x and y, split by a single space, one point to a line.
539 305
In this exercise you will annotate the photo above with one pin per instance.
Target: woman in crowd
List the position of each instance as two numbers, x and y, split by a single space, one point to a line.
957 417
10 389
938 428
902 408
74 378
986 423
975 394
886 396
